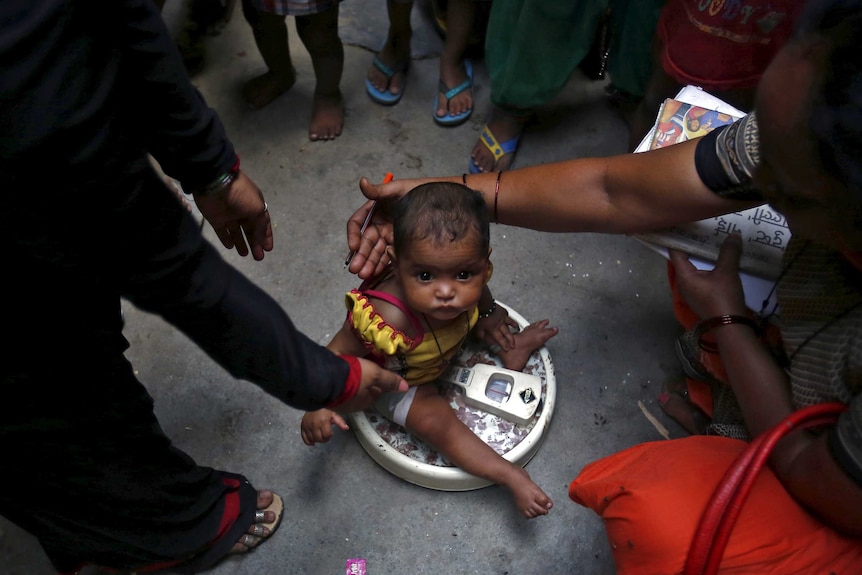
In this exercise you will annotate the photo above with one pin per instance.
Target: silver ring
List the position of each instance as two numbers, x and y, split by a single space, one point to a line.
258 530
249 540
260 516
265 207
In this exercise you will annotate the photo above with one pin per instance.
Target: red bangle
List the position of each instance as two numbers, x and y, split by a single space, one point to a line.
351 386
718 321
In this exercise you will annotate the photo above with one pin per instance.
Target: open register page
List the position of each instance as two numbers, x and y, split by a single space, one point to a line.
764 231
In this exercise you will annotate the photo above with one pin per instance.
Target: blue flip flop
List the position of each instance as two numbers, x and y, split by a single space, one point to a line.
499 150
450 120
385 97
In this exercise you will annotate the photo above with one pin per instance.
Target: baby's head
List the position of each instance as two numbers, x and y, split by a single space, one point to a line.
441 213
441 249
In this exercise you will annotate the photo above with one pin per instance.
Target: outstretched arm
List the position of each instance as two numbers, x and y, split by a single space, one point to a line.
627 193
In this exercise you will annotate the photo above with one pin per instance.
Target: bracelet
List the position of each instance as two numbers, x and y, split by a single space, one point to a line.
718 321
487 313
464 178
351 386
497 195
222 182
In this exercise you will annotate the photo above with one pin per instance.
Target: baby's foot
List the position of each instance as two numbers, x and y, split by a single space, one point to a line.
530 500
327 117
263 89
527 341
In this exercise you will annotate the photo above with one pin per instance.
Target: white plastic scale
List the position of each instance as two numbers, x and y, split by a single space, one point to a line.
512 395
508 410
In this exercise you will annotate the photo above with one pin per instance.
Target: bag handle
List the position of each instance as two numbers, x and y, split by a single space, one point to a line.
716 523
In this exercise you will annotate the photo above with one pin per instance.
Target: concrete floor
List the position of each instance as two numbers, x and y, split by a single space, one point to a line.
607 294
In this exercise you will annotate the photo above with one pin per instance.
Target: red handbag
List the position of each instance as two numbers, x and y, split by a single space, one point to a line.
716 523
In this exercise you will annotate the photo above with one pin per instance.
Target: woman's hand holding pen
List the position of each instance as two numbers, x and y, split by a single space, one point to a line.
369 245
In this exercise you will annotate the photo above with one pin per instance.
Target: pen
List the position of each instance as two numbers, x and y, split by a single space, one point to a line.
386 179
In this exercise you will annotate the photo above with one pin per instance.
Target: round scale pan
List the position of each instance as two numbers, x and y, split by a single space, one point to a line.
413 460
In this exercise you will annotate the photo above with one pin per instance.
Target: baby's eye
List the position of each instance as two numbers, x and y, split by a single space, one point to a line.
463 276
424 276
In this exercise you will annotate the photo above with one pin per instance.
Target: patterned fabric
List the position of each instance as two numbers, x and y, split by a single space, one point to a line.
418 359
294 7
725 159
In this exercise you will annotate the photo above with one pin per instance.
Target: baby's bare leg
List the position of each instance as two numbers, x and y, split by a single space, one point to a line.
431 418
527 341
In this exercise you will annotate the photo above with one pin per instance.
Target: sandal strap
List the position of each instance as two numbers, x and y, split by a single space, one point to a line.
386 70
497 149
451 93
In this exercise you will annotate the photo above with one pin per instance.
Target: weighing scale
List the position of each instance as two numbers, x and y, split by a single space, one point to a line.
510 411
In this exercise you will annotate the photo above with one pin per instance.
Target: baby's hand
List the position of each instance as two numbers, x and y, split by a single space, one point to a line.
497 329
317 425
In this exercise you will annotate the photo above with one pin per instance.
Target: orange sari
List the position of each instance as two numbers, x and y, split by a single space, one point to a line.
651 496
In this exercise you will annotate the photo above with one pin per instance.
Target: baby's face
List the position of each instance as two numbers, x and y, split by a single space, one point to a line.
443 281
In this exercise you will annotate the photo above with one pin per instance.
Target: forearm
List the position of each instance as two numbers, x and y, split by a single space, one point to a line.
801 460
617 194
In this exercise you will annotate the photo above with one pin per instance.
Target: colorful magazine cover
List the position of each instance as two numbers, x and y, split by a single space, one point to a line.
679 121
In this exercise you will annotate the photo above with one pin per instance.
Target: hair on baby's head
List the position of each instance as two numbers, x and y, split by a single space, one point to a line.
440 212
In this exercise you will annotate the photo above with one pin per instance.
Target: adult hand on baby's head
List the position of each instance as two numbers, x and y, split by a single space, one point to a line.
370 258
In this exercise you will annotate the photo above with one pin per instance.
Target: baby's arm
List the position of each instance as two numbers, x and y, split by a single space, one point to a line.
316 426
494 326
496 329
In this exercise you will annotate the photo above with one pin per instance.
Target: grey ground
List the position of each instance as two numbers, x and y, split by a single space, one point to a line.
607 294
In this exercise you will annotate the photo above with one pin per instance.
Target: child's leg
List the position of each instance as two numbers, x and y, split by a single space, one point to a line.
527 341
396 52
319 34
270 35
431 418
459 25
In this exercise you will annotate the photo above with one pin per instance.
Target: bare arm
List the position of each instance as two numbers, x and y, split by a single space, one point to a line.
627 193
617 194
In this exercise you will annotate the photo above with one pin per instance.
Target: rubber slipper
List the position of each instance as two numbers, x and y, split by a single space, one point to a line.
496 148
449 119
385 97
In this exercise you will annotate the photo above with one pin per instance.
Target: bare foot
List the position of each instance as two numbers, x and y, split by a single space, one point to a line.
504 126
270 507
263 89
527 341
530 500
327 117
395 60
452 76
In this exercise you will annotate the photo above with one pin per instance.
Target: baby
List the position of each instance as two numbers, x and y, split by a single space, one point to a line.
415 316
